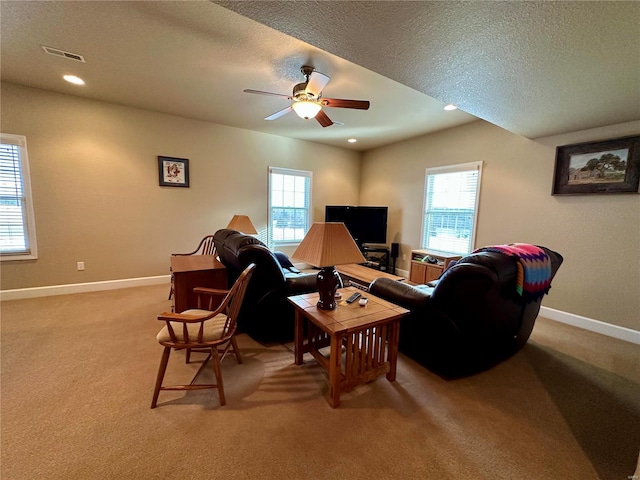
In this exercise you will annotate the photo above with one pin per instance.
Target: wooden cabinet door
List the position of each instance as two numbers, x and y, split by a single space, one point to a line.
433 272
418 273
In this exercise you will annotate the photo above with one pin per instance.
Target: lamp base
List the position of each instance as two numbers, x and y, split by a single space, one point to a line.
328 281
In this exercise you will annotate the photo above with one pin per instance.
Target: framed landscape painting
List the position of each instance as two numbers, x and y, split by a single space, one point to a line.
173 172
608 166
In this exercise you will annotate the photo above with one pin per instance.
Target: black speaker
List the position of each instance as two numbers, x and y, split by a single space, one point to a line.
395 250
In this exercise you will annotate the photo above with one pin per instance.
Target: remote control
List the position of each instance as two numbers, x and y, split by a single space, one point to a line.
353 297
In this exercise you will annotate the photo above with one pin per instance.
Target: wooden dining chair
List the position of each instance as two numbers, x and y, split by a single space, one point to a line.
205 247
207 329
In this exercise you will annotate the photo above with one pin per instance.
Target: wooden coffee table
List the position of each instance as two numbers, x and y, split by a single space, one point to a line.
362 276
362 340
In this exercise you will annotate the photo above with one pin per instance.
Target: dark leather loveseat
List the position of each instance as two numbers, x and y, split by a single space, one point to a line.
472 319
266 315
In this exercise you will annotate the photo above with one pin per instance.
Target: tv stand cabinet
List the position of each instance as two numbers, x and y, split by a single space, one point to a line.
376 257
422 271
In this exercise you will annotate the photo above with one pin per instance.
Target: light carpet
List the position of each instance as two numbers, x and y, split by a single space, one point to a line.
78 374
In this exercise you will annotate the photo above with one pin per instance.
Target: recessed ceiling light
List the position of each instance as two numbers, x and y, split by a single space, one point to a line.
73 79
450 106
352 140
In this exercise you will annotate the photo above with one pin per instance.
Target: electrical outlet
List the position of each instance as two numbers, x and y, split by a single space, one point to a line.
404 257
80 265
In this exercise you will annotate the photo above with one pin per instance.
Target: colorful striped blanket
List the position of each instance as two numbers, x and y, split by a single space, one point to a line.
534 268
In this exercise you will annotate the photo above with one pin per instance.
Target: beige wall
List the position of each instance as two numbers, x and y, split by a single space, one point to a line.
97 199
94 177
598 235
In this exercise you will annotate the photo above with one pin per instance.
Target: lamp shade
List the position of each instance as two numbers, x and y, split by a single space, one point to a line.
243 224
328 244
306 109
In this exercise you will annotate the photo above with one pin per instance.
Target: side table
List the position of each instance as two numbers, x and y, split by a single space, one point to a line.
190 271
369 335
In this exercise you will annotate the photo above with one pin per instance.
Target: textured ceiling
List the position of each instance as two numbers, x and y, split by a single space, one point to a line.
194 59
534 68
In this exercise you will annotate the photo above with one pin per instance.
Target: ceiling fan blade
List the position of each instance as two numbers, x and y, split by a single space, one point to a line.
323 119
340 103
317 81
279 113
259 92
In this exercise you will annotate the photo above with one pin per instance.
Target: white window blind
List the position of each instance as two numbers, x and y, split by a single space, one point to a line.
17 226
450 207
289 205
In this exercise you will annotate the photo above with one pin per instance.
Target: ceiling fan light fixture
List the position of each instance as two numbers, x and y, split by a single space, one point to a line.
306 109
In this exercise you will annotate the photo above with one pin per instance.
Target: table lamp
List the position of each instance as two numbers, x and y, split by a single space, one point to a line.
242 224
326 245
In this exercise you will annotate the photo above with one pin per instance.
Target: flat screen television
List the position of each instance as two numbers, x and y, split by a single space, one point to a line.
365 224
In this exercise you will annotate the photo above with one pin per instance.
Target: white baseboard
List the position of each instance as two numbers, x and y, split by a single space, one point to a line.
621 333
402 273
585 323
48 291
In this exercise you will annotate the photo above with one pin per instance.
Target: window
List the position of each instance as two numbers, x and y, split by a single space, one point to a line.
17 226
289 206
451 207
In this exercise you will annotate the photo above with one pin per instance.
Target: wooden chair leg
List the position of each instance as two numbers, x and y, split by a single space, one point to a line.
236 350
163 368
188 357
215 360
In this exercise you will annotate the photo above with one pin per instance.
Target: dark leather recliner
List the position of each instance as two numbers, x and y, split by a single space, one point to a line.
266 315
472 319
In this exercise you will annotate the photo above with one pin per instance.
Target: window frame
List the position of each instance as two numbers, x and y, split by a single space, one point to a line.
460 167
31 253
271 242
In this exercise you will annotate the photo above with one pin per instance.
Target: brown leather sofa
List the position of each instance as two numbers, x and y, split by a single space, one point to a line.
266 315
472 319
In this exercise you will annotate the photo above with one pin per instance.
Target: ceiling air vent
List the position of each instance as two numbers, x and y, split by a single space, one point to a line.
61 53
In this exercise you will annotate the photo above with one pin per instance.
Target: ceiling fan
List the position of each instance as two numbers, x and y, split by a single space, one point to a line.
308 100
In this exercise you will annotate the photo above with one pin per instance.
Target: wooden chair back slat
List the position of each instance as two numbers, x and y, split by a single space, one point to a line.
235 297
207 245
